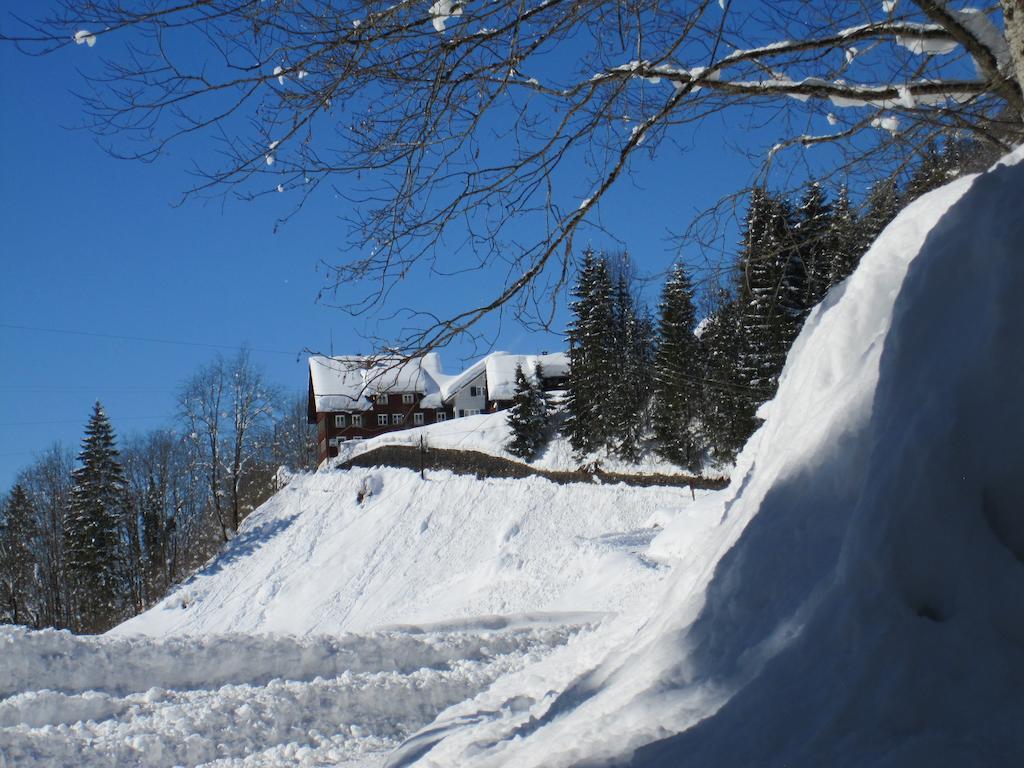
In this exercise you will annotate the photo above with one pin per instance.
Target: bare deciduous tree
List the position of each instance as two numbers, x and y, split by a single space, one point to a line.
462 127
225 405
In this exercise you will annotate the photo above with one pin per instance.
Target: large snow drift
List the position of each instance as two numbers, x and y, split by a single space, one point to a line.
315 559
860 601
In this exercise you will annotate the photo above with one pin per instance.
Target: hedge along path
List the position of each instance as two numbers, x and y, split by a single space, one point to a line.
483 465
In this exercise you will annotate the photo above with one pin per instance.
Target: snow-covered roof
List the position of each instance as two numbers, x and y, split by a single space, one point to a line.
448 386
501 371
347 382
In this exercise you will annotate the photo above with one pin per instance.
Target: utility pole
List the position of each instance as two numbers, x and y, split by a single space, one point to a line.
423 451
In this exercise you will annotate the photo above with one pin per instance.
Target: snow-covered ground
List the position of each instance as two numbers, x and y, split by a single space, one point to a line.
239 699
852 599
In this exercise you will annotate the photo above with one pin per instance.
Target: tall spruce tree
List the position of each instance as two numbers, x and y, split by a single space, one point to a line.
93 530
930 172
19 540
678 373
628 372
727 413
816 246
882 204
528 416
844 235
592 345
772 293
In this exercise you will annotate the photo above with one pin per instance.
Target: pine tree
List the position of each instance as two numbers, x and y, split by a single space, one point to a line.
844 235
591 348
930 172
815 245
772 294
677 373
528 416
627 373
19 537
727 413
93 529
881 206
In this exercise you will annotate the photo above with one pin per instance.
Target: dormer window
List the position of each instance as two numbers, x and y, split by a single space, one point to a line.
382 398
339 421
408 398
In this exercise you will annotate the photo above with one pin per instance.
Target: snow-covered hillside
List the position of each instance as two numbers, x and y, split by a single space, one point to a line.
314 559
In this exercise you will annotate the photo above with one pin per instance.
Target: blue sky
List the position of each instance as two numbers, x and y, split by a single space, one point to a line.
95 246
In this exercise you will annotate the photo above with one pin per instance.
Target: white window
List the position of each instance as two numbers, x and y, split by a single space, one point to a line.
417 418
408 398
440 416
339 421
473 412
333 442
474 391
357 420
382 399
397 418
382 419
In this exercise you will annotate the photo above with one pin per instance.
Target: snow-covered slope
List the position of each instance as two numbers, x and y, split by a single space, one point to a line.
314 559
859 603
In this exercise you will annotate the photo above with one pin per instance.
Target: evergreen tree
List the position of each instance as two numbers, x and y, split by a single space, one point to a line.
772 294
881 206
844 235
591 349
931 171
19 593
528 415
93 530
677 373
815 244
627 373
727 413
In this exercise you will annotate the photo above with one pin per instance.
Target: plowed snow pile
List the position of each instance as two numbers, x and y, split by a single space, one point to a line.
860 602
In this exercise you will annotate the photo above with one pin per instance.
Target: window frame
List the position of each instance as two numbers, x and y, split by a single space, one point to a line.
397 419
382 419
408 398
357 420
440 416
417 419
340 422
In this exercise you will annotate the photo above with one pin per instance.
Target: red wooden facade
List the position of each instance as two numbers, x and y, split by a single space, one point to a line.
389 413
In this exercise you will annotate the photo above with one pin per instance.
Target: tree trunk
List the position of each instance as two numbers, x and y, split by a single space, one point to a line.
1013 18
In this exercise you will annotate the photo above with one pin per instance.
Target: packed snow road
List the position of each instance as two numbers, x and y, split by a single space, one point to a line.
232 700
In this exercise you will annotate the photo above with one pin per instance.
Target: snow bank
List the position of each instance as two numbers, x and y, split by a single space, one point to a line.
359 549
858 602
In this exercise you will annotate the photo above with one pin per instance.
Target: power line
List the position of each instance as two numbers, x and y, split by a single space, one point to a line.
76 421
144 339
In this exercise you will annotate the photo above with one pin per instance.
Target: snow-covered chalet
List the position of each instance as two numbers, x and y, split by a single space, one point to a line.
353 397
